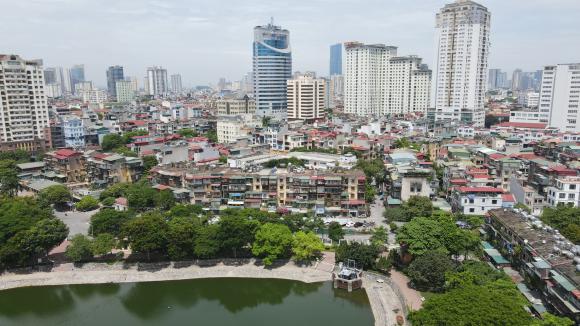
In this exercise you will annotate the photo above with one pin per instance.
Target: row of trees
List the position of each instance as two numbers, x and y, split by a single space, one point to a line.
566 219
185 231
140 196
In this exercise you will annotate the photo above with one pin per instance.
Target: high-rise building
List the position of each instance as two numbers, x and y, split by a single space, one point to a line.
114 74
494 75
125 91
176 86
335 90
247 84
336 59
77 75
236 107
50 76
462 51
157 84
306 98
560 97
272 66
23 106
517 80
378 82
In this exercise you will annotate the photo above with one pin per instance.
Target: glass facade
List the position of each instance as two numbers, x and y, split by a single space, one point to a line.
336 59
272 61
114 74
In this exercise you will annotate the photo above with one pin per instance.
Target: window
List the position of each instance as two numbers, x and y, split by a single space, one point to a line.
571 196
572 187
472 210
471 201
494 201
562 195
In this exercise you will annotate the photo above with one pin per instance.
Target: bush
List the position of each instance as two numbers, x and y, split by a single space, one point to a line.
427 272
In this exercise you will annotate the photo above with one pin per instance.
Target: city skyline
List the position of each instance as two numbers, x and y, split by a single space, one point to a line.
201 54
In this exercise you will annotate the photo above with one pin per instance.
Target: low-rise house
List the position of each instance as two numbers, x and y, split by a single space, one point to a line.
476 200
565 191
68 163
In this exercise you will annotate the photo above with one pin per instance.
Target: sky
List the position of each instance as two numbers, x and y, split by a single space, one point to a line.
204 40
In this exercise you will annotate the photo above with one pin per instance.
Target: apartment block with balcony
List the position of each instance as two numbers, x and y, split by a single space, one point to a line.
565 191
67 165
105 169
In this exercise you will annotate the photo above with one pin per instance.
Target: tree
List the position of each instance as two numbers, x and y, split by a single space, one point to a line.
370 193
427 272
141 196
418 206
165 199
273 241
103 244
8 178
108 202
473 273
79 249
49 233
306 246
379 236
128 136
111 141
19 214
115 191
236 232
147 233
402 143
87 203
550 320
335 231
59 195
498 303
207 243
364 255
181 235
565 218
397 214
212 136
108 221
373 169
181 210
149 162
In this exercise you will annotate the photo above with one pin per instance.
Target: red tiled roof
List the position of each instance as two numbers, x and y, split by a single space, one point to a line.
480 189
121 201
508 198
65 152
458 181
496 156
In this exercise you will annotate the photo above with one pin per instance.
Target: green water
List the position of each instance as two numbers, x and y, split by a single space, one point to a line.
219 302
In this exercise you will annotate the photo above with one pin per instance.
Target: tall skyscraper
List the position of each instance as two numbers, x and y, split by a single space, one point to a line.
50 76
176 86
23 106
560 97
77 75
306 98
460 74
272 64
157 84
336 59
378 82
517 80
114 74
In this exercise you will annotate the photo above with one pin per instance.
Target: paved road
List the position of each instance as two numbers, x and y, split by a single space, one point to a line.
77 222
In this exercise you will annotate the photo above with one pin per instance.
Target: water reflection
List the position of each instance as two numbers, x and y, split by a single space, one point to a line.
36 301
147 300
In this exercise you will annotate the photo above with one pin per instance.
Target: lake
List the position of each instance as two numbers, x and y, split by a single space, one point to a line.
219 302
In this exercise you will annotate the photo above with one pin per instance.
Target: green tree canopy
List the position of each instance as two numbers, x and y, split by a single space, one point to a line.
187 133
181 235
103 244
111 141
87 203
79 249
335 231
364 255
379 236
473 273
147 233
236 232
550 320
8 178
149 162
273 241
418 206
306 246
109 221
59 195
19 214
207 243
165 199
115 191
141 196
498 303
565 218
427 272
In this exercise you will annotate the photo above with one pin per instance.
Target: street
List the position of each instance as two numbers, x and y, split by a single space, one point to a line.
77 222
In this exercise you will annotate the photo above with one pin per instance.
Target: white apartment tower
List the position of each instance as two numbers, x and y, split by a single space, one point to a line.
156 81
560 97
23 106
377 82
306 98
461 69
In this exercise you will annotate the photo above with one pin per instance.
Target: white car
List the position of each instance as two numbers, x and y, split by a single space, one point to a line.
380 280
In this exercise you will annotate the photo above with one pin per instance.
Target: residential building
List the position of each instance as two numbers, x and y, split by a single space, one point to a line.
497 79
272 63
529 99
335 90
565 191
462 50
233 128
73 131
114 74
66 165
157 84
235 107
23 107
560 97
377 82
476 200
124 91
106 169
517 80
77 75
335 60
176 86
306 98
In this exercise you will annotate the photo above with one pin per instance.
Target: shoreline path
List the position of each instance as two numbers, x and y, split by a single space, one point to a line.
382 299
